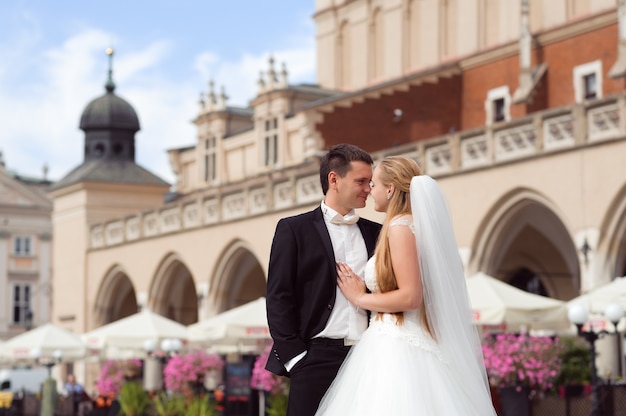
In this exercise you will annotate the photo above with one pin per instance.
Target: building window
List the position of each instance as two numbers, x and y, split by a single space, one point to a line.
270 142
22 246
210 158
590 86
498 109
498 105
22 312
588 81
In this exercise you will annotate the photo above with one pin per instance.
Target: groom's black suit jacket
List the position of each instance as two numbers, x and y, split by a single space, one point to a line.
302 281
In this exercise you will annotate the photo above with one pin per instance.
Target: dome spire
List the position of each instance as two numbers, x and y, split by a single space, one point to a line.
110 85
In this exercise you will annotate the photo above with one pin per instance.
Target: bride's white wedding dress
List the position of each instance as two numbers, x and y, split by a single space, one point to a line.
398 370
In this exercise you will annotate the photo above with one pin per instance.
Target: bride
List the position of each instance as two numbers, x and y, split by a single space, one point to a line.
420 354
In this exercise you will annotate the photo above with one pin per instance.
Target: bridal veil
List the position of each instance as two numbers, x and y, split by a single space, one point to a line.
445 291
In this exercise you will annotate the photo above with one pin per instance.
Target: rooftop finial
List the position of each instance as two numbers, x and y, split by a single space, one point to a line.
284 82
201 101
261 82
221 102
110 85
271 73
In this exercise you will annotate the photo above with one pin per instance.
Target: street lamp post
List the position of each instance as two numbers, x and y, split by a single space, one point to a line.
49 392
168 347
579 315
171 346
48 362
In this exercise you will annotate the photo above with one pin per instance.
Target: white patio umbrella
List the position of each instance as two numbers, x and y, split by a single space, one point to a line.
243 327
47 341
596 301
4 355
126 337
495 302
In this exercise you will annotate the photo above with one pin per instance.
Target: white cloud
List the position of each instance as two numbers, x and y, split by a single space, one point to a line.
240 77
46 103
46 110
46 106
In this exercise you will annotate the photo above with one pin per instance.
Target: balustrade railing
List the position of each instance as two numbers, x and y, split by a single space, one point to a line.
541 133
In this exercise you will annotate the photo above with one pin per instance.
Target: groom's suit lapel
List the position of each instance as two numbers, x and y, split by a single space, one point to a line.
370 243
320 226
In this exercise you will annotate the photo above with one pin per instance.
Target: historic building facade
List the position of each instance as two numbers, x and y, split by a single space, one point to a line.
25 252
517 108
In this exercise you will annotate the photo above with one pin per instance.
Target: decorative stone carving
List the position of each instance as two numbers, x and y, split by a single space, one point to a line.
283 195
308 189
258 201
558 132
603 122
97 236
515 142
150 225
234 206
211 211
114 233
474 151
133 231
170 220
438 159
191 215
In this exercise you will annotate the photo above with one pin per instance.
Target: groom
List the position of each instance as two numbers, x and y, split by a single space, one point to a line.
311 322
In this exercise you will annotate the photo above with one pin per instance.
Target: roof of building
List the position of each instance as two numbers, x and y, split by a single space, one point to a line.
109 112
110 124
118 171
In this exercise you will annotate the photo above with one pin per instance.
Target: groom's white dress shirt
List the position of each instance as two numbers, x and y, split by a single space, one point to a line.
346 321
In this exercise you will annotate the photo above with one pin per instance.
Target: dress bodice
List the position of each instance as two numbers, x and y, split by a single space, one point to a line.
412 327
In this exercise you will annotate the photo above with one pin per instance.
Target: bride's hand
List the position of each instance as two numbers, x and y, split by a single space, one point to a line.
351 285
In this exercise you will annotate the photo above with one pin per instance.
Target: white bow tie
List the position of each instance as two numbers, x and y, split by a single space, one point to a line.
348 219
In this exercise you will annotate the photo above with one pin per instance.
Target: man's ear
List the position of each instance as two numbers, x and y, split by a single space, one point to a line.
332 179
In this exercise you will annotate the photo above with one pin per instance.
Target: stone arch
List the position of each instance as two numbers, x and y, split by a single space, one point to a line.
173 291
613 237
523 240
238 278
116 298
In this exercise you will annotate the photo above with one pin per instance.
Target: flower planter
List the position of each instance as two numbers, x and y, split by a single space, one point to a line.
514 401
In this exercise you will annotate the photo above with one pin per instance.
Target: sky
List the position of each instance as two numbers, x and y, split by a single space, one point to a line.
53 63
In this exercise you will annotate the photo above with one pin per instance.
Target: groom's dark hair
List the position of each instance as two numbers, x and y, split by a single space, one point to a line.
338 160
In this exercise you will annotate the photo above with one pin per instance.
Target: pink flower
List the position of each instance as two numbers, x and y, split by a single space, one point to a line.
182 372
521 360
266 380
111 375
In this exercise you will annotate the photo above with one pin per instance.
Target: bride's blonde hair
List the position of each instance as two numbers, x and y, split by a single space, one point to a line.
397 171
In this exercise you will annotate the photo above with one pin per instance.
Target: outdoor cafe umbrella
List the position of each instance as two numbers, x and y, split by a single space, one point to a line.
497 303
126 337
46 341
597 299
4 355
243 327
